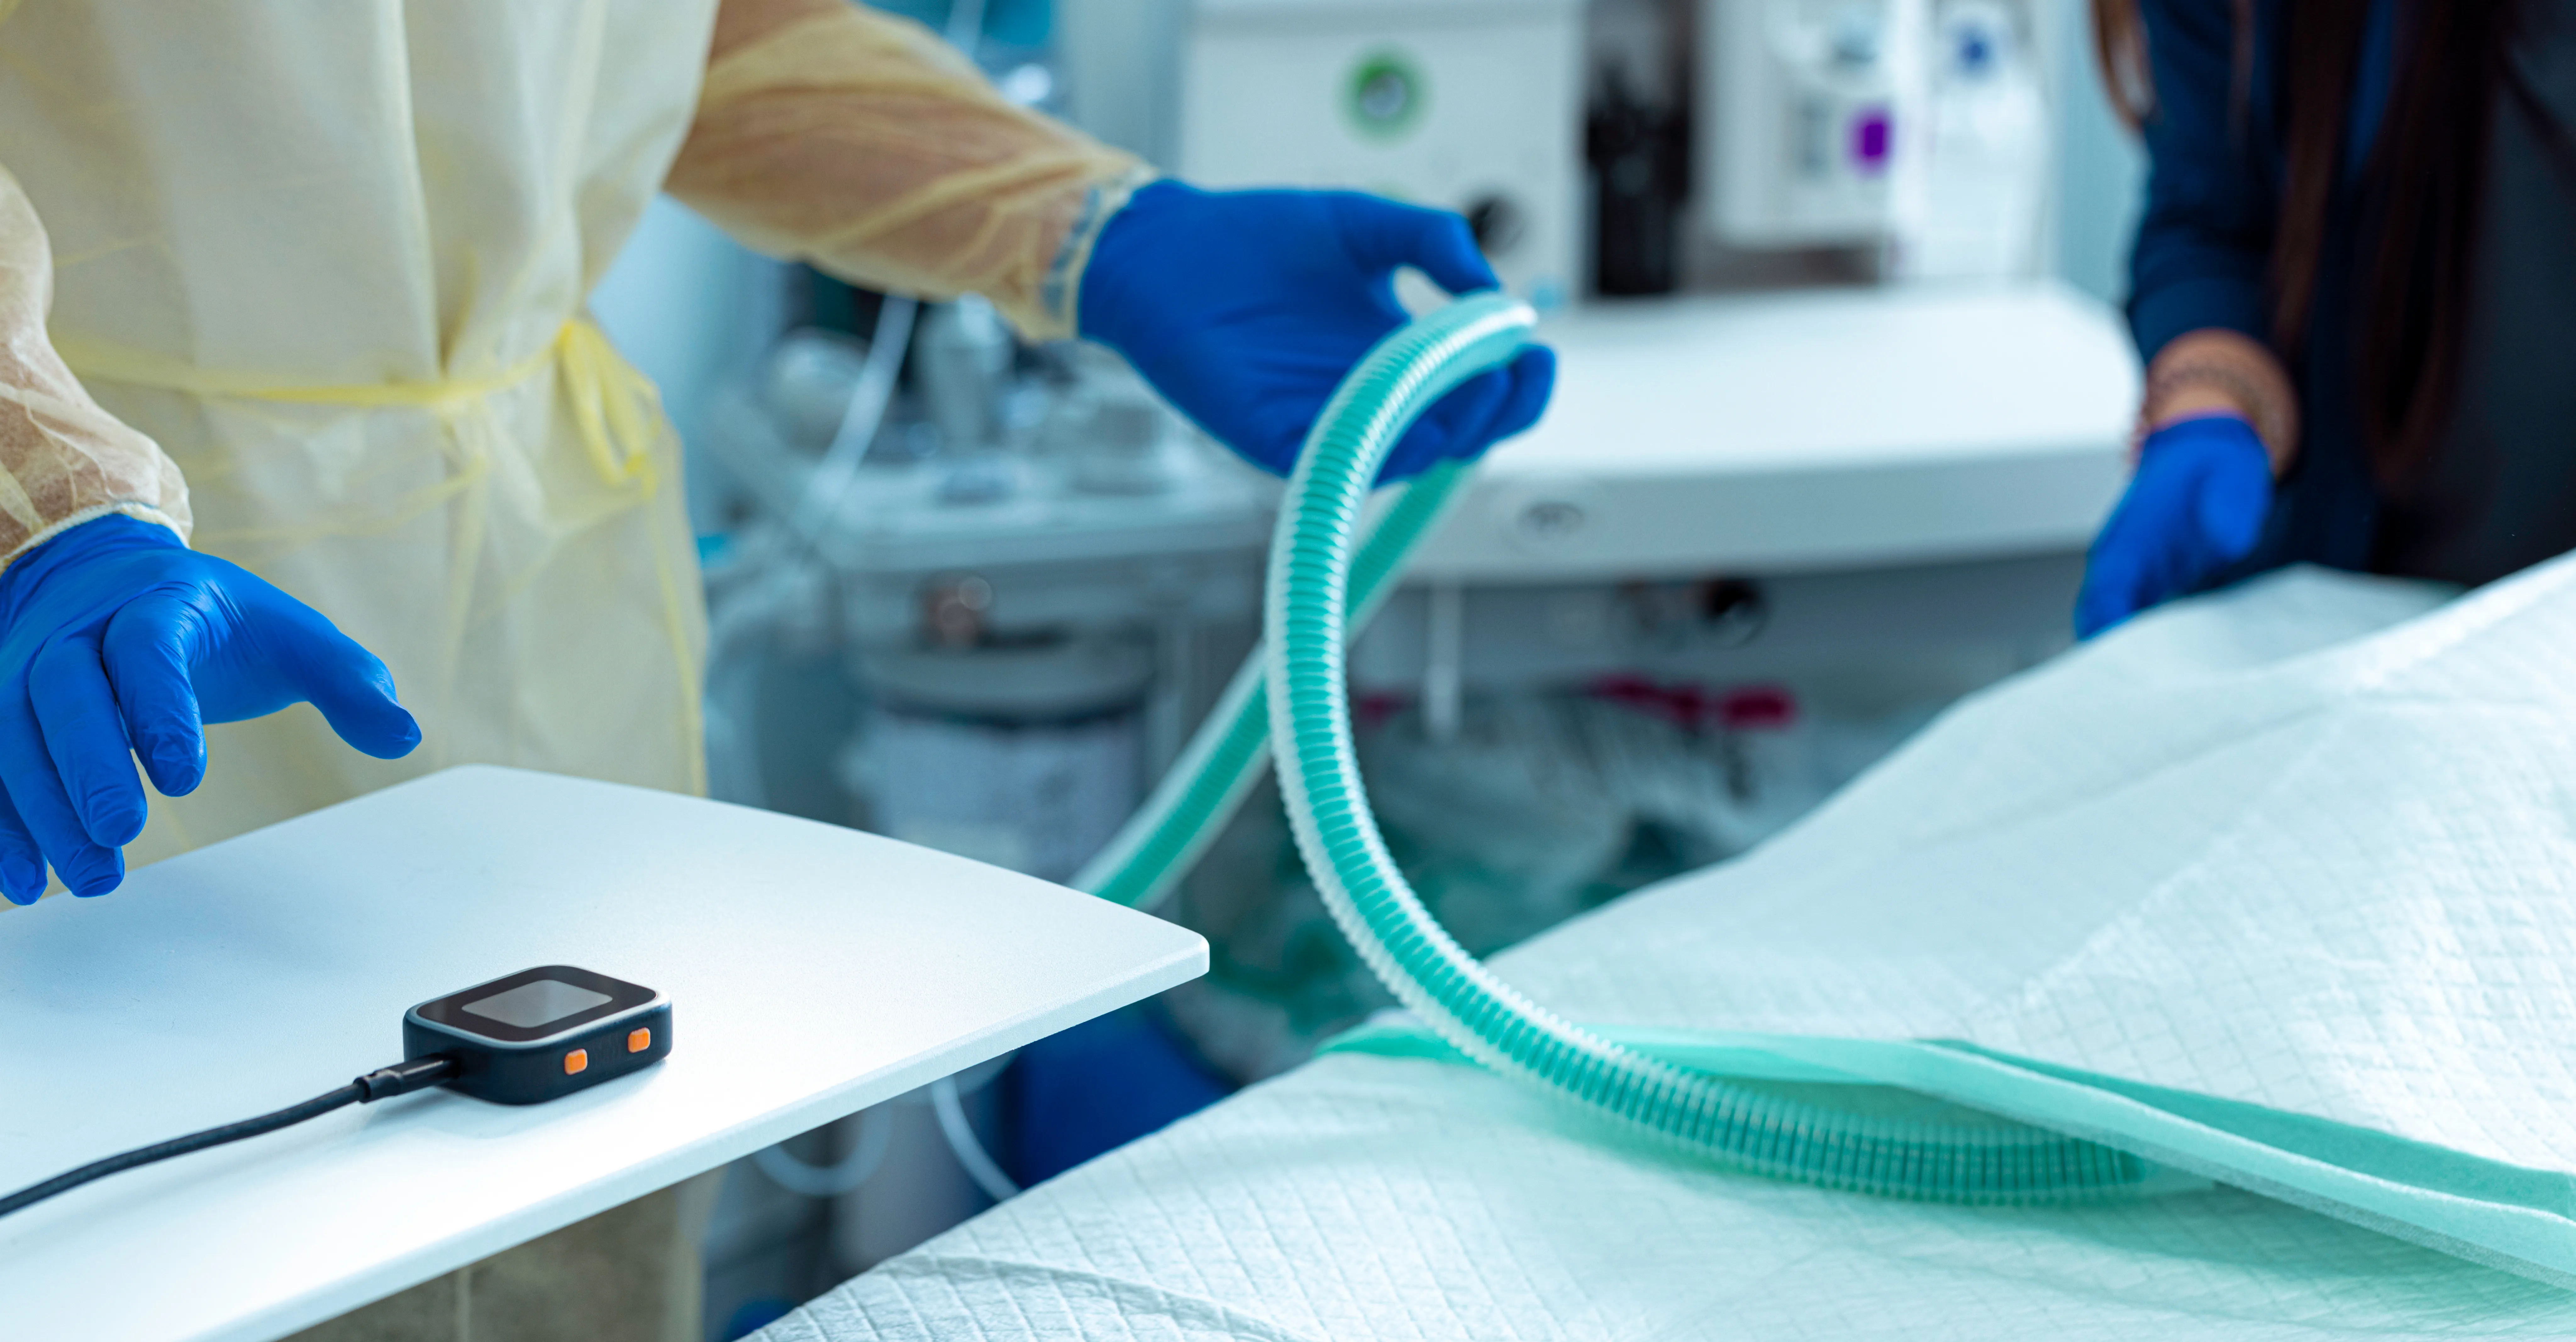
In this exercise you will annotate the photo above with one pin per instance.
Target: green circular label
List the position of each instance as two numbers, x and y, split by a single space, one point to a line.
1385 95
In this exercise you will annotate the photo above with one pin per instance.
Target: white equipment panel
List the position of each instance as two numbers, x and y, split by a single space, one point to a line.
813 971
1799 120
1807 431
1468 105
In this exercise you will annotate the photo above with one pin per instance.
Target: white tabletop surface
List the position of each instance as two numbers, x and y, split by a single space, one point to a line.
813 971
1807 430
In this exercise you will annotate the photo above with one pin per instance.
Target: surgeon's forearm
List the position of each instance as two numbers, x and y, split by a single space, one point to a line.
63 460
860 142
2219 371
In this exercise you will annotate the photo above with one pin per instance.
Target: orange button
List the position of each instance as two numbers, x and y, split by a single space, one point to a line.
639 1040
576 1061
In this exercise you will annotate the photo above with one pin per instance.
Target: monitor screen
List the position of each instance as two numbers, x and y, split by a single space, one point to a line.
535 1003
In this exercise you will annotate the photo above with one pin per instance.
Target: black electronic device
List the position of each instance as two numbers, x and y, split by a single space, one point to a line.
541 1033
531 1036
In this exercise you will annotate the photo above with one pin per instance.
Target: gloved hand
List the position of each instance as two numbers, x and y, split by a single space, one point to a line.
1246 308
2197 504
114 637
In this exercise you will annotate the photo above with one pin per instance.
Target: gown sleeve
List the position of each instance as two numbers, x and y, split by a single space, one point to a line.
859 142
63 460
2204 241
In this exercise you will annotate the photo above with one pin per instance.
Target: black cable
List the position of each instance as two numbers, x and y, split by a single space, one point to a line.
398 1079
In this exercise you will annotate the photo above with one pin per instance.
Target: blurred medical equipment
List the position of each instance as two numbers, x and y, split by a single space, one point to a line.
1469 105
1639 152
1728 143
1799 118
1918 126
1020 553
1974 198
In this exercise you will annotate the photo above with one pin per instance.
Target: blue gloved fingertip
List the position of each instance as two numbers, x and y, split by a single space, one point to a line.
395 744
178 772
94 884
114 826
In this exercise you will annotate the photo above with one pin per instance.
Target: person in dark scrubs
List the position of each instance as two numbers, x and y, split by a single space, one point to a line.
2355 289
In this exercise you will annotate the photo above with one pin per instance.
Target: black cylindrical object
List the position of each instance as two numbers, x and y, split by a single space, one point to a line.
1640 156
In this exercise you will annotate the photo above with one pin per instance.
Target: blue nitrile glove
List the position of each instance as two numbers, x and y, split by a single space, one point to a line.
2196 505
114 637
1246 308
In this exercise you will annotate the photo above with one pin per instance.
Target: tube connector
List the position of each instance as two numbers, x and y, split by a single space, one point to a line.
404 1077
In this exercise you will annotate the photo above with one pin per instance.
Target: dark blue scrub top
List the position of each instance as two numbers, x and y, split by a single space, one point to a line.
2500 491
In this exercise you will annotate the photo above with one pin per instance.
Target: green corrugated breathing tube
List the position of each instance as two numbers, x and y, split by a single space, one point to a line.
1291 698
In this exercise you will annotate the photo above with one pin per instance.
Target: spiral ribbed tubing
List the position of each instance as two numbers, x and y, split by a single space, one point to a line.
1310 740
1225 757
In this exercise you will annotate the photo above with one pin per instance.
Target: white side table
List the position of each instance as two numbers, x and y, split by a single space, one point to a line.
813 970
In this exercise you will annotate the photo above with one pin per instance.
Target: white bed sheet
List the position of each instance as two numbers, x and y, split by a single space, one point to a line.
1379 1198
2304 845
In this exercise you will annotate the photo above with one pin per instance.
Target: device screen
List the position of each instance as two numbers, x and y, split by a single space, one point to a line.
536 1003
